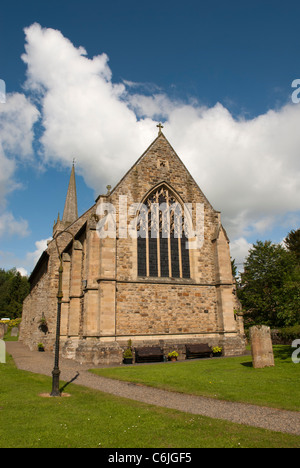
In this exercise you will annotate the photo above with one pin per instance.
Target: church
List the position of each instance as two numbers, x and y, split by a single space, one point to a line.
148 262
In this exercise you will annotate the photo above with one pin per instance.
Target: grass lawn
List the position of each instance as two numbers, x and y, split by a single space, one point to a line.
8 337
92 419
231 379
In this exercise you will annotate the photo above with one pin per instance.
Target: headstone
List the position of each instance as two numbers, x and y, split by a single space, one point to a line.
2 352
14 331
261 347
2 330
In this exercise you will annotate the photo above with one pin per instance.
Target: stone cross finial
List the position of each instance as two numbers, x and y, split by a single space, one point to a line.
108 189
160 126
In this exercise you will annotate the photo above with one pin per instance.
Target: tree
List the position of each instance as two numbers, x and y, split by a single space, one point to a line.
292 242
234 268
289 304
13 290
269 288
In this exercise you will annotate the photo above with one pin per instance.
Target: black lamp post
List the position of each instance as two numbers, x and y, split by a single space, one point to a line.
56 372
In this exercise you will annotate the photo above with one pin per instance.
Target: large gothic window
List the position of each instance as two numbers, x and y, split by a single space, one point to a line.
162 244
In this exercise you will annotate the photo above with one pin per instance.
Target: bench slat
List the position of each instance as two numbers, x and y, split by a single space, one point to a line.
148 353
198 350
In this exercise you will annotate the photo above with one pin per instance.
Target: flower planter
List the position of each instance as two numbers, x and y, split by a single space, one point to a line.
172 356
217 351
127 355
43 327
127 360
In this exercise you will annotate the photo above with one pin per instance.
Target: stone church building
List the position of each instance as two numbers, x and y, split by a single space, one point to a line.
123 279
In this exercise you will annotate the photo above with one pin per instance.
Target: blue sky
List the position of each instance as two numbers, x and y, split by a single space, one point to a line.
218 74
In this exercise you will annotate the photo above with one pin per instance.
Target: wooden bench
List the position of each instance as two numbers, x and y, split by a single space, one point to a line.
198 350
149 354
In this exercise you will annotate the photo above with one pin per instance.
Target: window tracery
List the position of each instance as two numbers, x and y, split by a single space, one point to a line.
162 242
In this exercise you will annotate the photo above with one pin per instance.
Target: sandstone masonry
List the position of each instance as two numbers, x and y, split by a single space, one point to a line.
153 291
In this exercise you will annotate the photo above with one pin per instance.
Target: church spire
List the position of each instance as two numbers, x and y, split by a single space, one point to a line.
71 211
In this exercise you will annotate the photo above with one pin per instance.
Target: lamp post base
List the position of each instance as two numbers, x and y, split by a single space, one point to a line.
55 383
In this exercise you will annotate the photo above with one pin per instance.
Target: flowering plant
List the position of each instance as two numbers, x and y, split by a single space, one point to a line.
11 322
216 349
173 354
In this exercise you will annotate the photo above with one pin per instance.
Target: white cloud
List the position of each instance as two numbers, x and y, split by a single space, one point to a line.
17 117
157 106
239 251
10 226
248 169
6 177
24 264
2 92
22 271
32 257
83 112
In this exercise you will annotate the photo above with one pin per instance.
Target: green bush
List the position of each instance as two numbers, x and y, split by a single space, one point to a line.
289 334
127 353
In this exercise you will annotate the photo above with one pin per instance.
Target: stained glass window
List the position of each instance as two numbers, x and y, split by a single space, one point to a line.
162 242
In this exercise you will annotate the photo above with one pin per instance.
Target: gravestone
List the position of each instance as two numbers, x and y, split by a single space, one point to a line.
2 330
261 347
2 352
14 331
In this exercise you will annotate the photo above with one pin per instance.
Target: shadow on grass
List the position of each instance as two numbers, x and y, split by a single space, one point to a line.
68 383
283 352
247 364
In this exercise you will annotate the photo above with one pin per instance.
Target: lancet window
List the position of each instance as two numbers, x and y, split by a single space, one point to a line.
162 244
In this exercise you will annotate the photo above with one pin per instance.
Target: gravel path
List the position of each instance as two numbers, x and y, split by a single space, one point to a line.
251 415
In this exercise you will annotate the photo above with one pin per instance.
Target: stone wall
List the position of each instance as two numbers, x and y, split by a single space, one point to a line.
144 308
41 303
147 174
96 352
105 302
